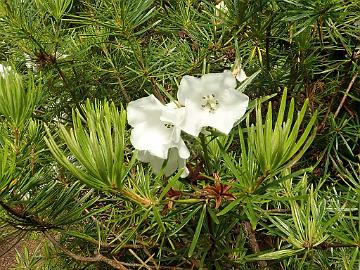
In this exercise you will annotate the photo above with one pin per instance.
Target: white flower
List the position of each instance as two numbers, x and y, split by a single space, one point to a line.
156 131
211 101
173 163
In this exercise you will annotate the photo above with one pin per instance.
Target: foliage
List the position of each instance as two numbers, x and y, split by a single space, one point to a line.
281 191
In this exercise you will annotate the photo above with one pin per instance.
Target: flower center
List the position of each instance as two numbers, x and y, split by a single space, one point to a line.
168 125
210 103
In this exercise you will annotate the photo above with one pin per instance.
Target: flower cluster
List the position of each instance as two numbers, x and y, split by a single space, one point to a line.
209 101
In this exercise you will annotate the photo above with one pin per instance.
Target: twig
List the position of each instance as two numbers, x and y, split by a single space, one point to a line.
156 90
123 90
110 246
260 180
151 258
323 122
346 94
19 212
20 237
143 264
97 258
327 245
253 242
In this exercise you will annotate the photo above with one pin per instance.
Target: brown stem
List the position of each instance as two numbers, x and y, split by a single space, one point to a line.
111 246
123 90
346 94
327 245
13 244
61 74
253 242
97 258
19 212
143 264
156 90
63 78
323 122
260 180
151 258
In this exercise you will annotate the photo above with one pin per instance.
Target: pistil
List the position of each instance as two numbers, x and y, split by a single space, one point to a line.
210 102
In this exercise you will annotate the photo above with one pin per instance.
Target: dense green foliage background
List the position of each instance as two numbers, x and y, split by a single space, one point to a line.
289 193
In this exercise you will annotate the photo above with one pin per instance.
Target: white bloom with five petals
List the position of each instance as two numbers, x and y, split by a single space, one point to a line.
211 100
156 131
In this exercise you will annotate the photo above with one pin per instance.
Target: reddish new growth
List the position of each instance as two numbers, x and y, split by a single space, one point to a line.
172 194
219 191
195 171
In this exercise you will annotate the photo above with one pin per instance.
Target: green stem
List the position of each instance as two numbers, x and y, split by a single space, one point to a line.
206 153
16 140
190 201
136 198
212 257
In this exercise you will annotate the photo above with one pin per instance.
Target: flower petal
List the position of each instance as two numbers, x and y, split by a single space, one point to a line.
172 114
217 82
190 88
183 150
155 126
174 162
152 138
194 118
144 156
232 107
142 109
211 101
241 76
